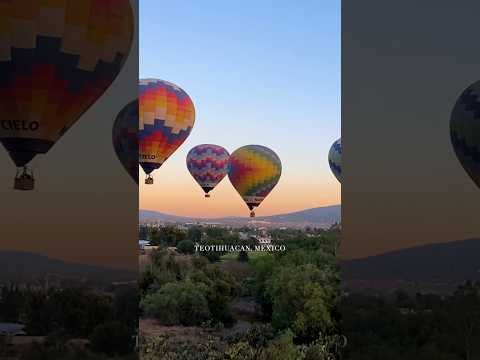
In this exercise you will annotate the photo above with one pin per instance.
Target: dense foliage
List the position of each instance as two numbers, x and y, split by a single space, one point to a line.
109 321
186 291
296 290
420 326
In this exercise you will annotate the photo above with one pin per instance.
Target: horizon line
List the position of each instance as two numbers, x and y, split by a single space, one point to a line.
234 216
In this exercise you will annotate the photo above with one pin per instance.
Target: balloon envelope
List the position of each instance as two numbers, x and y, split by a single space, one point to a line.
56 59
465 131
125 138
166 118
254 171
208 165
335 159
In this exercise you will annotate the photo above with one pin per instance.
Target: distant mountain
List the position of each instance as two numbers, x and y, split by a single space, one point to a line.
17 266
322 216
148 215
451 262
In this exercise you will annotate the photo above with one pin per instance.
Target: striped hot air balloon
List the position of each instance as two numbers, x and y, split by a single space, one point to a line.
125 138
208 165
465 131
56 59
254 171
166 118
335 159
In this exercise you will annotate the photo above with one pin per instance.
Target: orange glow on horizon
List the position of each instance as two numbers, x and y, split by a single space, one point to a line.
182 196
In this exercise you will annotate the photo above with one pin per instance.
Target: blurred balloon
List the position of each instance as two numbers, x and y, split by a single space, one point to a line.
254 170
56 59
335 159
166 119
208 165
465 131
125 138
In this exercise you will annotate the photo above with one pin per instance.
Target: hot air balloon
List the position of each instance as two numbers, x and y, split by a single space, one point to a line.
208 165
465 131
335 159
166 118
56 59
254 170
125 138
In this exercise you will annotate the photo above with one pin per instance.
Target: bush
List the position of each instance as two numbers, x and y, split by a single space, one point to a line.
220 288
308 314
178 303
282 348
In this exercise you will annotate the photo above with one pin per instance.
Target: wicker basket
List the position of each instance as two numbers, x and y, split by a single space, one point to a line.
24 183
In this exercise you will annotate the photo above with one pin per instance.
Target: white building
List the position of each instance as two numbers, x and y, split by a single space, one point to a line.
142 244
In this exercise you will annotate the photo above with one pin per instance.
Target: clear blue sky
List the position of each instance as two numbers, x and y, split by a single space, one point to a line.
262 72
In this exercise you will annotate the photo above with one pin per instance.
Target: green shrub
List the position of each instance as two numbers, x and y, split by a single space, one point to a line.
180 303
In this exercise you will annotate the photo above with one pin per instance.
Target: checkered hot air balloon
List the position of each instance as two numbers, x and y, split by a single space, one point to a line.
254 171
166 118
208 165
465 131
56 59
125 138
335 159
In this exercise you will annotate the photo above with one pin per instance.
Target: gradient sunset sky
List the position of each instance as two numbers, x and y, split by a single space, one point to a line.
258 73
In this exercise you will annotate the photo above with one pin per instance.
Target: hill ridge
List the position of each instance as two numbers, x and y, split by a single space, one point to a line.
319 215
23 266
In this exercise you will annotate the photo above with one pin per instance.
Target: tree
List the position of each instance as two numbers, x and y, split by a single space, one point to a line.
213 255
465 315
143 232
186 247
308 314
194 234
220 287
178 303
167 236
112 338
126 307
12 301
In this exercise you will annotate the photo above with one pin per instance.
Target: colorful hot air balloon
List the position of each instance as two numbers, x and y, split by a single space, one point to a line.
254 170
56 59
465 131
166 118
335 159
125 138
208 165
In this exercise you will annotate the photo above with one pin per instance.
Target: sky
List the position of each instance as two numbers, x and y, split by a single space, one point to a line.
264 73
403 185
84 206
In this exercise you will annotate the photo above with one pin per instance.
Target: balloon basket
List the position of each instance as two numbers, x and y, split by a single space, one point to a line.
207 195
24 181
252 214
149 181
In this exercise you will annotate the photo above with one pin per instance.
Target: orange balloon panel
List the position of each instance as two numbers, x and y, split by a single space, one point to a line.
166 117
